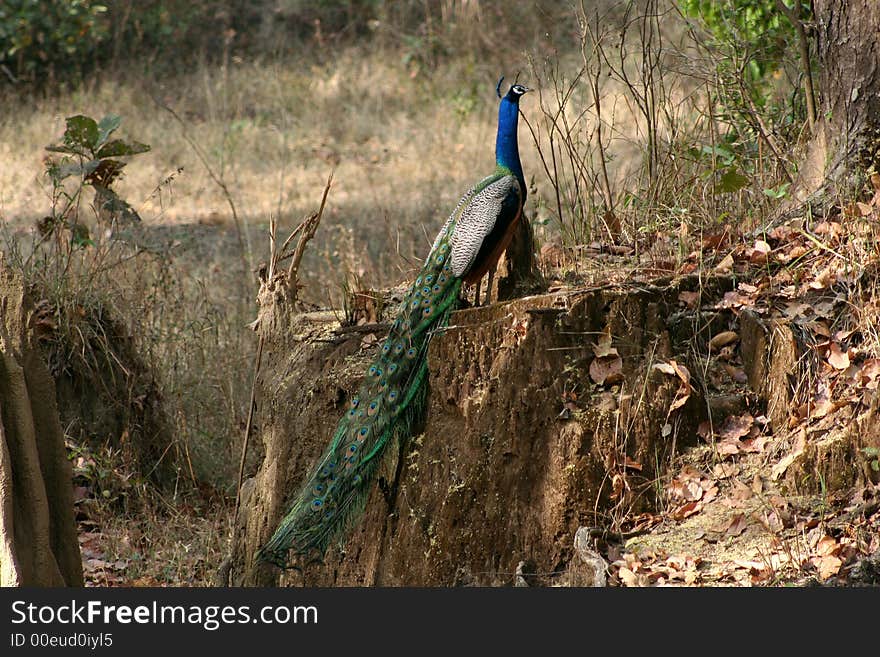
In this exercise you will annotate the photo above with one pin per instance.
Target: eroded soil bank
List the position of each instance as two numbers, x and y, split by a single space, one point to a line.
546 414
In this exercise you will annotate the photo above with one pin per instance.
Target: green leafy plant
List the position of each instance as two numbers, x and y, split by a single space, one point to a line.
758 53
90 155
44 38
873 454
756 22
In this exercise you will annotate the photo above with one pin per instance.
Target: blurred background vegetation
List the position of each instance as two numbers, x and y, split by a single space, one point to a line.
65 41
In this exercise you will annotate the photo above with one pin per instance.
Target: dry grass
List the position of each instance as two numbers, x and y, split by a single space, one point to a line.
402 150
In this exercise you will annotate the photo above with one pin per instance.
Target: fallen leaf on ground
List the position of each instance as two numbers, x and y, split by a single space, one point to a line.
689 299
722 340
603 348
836 358
827 566
800 444
607 370
737 525
725 266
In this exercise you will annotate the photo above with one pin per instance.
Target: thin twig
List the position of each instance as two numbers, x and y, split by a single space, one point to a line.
247 429
310 225
794 16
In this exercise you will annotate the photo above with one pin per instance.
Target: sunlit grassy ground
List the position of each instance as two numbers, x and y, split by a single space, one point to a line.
402 150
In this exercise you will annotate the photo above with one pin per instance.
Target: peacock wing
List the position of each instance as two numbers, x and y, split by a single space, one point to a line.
498 202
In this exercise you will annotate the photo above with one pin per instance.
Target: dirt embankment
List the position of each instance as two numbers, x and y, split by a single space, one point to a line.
38 544
546 414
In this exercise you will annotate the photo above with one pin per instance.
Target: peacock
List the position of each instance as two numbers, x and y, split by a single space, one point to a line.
391 395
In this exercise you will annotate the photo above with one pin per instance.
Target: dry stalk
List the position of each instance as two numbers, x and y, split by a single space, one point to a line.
306 230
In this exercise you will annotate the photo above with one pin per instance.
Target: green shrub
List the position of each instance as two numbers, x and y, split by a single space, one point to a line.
42 39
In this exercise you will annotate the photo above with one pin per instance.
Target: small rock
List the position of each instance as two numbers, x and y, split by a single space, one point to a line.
523 570
588 568
866 572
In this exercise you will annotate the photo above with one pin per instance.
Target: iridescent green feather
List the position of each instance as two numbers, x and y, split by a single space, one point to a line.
391 396
385 408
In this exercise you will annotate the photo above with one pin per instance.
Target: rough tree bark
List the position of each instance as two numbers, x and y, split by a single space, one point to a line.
846 145
38 543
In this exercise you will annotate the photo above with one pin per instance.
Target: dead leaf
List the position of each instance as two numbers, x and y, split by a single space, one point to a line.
725 266
827 546
827 566
754 445
627 576
870 372
607 370
800 444
715 241
758 254
603 348
629 463
831 229
666 368
796 309
692 491
819 327
722 340
735 299
736 426
689 299
737 525
728 447
836 358
687 510
724 470
825 278
740 492
681 397
772 522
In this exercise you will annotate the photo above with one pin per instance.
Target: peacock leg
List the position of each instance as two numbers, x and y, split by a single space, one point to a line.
489 285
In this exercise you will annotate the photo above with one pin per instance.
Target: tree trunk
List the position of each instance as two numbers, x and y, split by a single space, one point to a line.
38 542
846 144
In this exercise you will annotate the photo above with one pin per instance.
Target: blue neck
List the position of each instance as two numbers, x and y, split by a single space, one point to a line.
506 148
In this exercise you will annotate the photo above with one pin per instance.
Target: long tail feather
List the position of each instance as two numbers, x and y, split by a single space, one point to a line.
386 408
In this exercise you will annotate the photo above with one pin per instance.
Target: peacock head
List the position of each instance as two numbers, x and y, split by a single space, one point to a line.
515 92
